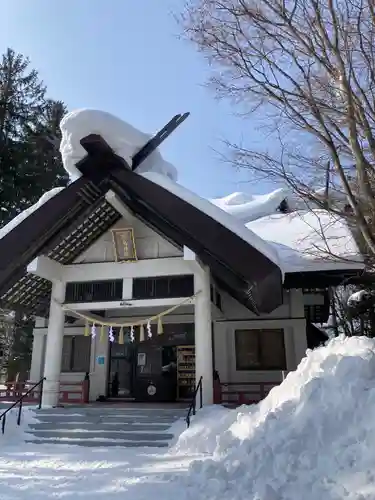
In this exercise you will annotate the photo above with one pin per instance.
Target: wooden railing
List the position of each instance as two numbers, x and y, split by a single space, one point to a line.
239 393
70 392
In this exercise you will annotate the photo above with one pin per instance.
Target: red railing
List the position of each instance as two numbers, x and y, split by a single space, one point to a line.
239 393
70 392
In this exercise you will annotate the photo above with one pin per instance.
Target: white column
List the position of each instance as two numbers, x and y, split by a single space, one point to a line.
36 369
55 336
203 335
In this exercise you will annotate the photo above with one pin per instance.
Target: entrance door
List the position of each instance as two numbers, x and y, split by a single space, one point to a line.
120 380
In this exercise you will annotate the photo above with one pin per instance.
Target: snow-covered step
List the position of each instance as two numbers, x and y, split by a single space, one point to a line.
105 426
111 435
101 443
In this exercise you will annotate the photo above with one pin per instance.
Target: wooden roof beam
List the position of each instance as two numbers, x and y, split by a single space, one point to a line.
46 268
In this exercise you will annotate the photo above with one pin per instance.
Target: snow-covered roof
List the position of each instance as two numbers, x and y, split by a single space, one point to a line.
305 240
309 240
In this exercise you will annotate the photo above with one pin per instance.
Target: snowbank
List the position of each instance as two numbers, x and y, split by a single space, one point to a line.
17 434
313 437
23 215
123 138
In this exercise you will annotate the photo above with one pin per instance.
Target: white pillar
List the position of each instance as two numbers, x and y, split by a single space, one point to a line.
55 336
203 334
36 368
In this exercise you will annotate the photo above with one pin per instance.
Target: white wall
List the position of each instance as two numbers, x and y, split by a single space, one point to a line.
148 243
290 317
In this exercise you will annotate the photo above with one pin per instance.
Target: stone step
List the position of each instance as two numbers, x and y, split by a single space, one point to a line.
105 419
103 435
100 443
104 426
62 425
117 410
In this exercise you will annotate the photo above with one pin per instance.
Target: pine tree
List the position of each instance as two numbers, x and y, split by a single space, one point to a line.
30 165
29 137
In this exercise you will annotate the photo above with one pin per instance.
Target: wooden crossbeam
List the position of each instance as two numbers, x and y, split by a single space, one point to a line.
155 141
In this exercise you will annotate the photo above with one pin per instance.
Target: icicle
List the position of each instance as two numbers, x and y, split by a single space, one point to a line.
87 329
110 334
142 333
132 336
93 331
149 331
160 326
121 339
102 333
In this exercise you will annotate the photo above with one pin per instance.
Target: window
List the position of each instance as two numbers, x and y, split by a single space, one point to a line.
260 350
163 287
76 354
94 291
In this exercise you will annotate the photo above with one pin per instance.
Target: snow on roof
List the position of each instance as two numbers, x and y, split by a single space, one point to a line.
124 139
23 215
309 240
247 207
227 220
305 240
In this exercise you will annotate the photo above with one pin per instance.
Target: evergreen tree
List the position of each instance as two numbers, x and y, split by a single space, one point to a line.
29 137
30 165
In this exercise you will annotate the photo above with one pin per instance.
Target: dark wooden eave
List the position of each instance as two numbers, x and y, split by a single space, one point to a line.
67 224
245 272
322 279
63 228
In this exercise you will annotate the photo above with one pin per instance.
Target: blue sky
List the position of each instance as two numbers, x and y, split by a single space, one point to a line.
125 57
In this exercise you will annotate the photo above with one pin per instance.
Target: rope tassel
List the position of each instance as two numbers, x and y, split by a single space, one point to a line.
142 334
160 326
121 339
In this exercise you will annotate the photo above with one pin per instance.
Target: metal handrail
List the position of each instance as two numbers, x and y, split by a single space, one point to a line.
192 407
19 401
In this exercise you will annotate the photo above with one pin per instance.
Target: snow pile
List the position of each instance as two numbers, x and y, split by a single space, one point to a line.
23 215
247 207
124 139
17 434
313 437
357 297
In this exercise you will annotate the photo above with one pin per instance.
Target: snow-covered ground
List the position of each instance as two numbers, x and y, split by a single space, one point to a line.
312 438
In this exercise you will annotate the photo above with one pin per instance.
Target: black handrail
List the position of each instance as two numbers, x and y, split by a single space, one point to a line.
192 407
19 401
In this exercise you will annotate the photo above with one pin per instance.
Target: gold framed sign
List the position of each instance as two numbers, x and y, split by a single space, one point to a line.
124 245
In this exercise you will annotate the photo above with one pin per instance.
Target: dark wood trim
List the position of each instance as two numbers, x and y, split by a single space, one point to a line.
321 279
259 368
249 275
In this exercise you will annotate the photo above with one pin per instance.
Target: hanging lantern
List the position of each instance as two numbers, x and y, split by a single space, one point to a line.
142 333
102 333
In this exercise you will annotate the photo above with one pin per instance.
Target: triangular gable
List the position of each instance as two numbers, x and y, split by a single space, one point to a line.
62 228
243 270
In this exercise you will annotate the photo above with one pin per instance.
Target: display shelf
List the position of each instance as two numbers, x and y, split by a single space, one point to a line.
185 371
